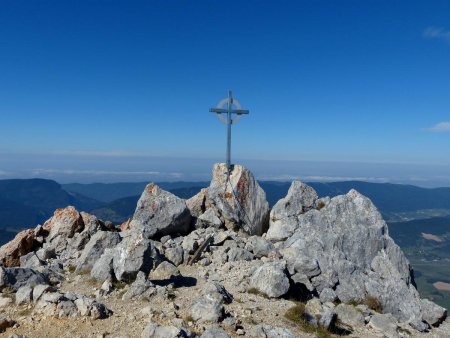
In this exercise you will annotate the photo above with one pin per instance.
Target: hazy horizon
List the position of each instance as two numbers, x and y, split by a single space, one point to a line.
96 168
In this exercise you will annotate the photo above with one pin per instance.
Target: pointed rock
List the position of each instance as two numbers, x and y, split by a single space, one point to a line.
239 198
283 216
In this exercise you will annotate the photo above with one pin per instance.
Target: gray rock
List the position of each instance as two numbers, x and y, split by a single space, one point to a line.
141 287
39 290
327 318
207 309
135 253
174 255
208 219
271 279
165 270
238 254
66 309
220 237
346 246
327 295
24 295
384 323
349 315
259 246
89 307
214 332
269 331
95 248
52 297
103 268
160 213
299 199
431 313
30 260
18 277
154 330
190 243
284 214
240 200
45 253
218 292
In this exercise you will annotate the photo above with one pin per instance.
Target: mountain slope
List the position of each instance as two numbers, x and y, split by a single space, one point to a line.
25 203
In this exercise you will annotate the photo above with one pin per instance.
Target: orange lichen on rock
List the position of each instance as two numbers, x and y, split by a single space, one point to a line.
65 221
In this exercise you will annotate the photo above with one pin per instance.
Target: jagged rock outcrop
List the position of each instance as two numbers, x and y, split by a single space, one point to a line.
160 213
284 214
239 199
345 247
203 263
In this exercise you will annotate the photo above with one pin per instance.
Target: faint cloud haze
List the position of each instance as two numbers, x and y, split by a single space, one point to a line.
437 33
440 127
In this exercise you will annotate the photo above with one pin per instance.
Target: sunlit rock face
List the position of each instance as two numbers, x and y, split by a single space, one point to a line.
239 199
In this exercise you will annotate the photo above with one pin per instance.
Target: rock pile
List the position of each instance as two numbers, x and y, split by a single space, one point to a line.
228 251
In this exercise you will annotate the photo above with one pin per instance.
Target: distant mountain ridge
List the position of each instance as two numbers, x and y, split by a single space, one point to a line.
387 197
109 192
24 203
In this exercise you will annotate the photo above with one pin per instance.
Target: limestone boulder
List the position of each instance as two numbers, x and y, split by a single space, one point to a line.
239 199
93 250
133 254
159 213
270 279
344 248
283 216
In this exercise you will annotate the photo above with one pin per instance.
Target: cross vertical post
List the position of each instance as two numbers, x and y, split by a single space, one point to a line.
229 120
230 105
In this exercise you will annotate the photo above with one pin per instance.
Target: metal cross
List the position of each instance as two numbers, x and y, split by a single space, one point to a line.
220 109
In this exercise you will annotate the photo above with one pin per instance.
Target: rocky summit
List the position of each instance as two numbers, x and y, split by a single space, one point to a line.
221 264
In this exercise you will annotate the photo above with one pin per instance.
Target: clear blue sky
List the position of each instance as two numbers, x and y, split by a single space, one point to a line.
341 81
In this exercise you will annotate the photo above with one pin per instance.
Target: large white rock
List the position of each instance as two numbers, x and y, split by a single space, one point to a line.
160 213
345 246
270 279
284 214
239 199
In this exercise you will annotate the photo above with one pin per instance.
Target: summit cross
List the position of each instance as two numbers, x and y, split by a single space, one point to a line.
229 120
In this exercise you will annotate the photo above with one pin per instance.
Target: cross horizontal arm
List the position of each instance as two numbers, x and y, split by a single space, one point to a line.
218 110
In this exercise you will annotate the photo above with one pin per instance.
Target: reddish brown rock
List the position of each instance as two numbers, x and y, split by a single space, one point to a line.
23 243
125 225
65 222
